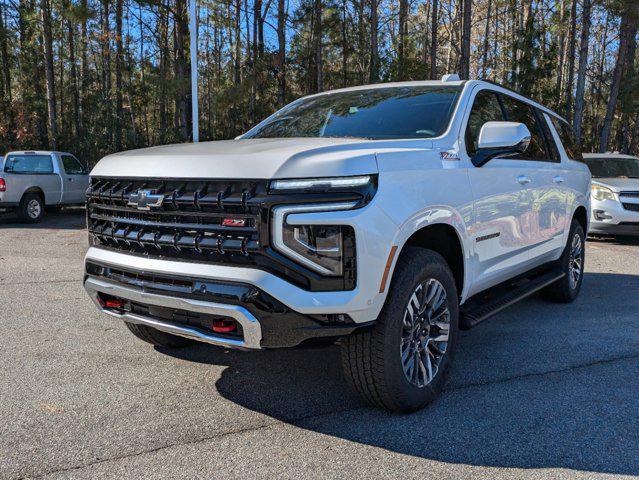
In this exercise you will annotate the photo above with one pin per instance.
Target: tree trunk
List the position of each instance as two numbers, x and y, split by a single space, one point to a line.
318 45
434 24
74 78
373 75
464 59
106 67
628 31
572 45
484 55
238 42
119 112
4 53
181 68
345 49
581 73
403 32
47 43
282 14
561 48
83 62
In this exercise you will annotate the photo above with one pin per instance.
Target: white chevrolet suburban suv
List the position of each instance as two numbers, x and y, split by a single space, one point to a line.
383 217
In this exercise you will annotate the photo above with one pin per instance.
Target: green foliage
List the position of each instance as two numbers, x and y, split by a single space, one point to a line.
154 92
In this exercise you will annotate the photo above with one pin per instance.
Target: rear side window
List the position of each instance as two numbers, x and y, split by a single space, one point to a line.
521 112
570 143
72 165
486 108
34 164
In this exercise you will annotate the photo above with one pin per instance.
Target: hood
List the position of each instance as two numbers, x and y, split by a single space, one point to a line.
618 184
246 159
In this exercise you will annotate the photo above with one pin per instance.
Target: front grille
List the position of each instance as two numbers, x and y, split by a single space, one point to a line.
629 194
633 207
187 223
185 220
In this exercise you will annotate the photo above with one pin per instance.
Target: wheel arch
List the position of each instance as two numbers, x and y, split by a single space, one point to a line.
446 240
581 215
37 190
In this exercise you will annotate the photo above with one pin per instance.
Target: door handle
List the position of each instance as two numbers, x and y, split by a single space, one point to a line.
558 179
523 179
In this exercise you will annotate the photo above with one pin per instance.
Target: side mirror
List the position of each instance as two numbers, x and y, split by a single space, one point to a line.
501 139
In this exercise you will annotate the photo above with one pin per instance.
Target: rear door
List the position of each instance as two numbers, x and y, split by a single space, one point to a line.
502 206
545 226
74 178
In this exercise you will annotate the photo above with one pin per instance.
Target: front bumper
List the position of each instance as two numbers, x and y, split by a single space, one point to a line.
612 218
187 306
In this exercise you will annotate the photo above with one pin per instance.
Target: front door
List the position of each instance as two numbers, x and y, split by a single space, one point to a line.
502 189
74 179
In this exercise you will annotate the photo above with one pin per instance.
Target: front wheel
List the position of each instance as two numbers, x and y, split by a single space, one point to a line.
401 363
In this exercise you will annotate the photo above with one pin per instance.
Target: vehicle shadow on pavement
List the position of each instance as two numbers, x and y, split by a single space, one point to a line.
540 386
68 219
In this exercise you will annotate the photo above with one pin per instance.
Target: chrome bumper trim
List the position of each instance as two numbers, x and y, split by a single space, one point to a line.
250 325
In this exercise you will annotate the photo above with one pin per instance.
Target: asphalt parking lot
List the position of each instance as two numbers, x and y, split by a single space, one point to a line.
540 391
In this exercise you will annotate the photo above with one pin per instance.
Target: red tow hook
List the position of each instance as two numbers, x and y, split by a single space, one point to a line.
114 303
224 326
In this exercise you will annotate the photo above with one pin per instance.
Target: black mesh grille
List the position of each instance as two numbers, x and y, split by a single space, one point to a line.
187 221
633 207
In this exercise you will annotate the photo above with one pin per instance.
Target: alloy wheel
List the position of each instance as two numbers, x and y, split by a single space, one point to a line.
575 263
425 332
34 209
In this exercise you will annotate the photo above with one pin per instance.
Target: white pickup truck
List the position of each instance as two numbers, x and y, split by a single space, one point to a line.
33 180
382 217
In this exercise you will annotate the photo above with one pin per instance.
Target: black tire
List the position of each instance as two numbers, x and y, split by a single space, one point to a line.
31 209
371 359
158 338
564 290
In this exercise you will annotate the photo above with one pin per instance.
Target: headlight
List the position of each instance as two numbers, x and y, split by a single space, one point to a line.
321 183
320 244
318 247
602 193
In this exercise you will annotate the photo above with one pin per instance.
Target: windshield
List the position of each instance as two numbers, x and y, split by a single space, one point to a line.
377 113
613 167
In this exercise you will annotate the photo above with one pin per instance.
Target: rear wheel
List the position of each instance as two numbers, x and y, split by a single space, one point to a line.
402 362
158 338
566 289
31 209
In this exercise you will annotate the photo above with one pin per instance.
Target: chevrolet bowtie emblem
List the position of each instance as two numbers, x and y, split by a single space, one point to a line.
145 200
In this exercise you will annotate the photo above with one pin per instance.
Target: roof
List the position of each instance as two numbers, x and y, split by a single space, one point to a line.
610 155
37 152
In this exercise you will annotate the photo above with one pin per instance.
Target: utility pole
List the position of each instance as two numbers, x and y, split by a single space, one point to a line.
194 73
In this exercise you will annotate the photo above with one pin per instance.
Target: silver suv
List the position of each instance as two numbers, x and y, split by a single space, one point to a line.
31 180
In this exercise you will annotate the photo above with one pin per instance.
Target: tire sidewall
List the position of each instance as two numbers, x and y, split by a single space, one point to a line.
24 208
420 267
575 228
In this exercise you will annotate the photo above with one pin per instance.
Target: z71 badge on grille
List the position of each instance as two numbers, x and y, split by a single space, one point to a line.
145 200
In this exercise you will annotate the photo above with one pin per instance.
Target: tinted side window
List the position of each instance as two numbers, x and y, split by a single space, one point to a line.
570 143
71 165
523 113
34 164
550 140
486 108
